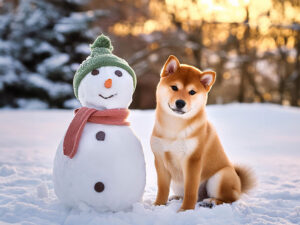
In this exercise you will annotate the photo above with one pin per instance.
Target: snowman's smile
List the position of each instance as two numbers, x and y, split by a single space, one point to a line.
107 97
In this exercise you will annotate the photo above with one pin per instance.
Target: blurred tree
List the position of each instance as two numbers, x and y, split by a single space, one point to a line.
296 72
253 46
41 44
244 39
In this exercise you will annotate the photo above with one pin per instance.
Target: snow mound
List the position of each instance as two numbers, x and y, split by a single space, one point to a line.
265 137
7 171
42 190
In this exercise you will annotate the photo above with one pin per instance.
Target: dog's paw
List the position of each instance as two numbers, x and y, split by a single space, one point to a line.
158 203
213 201
206 204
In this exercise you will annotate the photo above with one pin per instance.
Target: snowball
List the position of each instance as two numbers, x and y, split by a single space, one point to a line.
108 171
119 95
117 161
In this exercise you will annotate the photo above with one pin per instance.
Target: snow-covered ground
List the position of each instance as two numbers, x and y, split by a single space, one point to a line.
265 137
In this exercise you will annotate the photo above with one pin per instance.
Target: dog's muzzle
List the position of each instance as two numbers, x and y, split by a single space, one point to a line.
177 109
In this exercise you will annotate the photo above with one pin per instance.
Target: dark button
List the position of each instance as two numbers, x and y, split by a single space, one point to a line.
99 187
100 136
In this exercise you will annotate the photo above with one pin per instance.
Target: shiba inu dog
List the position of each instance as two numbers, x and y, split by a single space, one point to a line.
187 150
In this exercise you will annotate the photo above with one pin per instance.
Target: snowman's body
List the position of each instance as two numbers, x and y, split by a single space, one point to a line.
108 170
117 162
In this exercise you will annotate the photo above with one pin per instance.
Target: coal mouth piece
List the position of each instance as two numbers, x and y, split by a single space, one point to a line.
107 96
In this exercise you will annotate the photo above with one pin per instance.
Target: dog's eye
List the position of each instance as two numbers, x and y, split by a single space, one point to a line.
174 88
192 92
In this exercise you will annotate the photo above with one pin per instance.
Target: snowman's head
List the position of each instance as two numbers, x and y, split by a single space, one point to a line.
107 87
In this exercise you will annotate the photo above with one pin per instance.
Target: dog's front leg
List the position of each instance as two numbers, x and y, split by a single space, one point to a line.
191 184
163 181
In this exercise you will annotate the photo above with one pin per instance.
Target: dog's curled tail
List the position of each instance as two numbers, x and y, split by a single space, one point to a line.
247 177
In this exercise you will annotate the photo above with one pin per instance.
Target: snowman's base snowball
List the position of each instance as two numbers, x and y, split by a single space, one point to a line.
107 175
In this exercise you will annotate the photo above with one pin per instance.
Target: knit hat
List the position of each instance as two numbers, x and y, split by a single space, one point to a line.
101 55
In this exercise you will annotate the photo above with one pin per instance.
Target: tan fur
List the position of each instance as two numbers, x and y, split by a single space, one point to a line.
246 176
186 147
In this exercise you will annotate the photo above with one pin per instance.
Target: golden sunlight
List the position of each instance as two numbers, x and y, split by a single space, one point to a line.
190 14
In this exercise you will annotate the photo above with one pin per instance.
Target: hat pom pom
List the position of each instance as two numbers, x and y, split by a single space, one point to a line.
102 42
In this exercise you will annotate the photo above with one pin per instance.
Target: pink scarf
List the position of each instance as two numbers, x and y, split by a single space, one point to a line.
84 115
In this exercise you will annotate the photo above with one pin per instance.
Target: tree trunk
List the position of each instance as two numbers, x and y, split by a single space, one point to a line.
241 96
295 94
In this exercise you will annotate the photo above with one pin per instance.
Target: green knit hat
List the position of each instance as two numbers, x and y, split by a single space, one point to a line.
101 55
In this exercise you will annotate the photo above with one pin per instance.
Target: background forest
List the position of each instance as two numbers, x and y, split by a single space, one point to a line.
254 46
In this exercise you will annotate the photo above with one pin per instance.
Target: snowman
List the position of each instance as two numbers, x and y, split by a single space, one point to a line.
100 162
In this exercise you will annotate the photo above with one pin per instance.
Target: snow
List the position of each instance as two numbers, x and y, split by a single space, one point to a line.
54 89
31 103
37 38
6 171
76 21
265 137
72 103
42 190
118 165
9 76
119 95
83 49
44 47
54 62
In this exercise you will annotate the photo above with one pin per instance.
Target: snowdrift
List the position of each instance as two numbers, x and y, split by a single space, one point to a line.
265 137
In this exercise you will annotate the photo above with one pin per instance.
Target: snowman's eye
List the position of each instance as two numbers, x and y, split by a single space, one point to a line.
95 72
118 73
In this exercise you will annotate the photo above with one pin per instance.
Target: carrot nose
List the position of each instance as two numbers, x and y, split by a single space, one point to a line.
108 83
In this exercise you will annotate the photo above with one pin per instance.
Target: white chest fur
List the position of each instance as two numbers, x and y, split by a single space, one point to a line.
177 146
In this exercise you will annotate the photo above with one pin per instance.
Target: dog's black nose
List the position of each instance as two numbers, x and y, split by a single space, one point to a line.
180 104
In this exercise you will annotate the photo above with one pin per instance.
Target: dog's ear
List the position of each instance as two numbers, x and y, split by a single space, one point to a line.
207 78
171 66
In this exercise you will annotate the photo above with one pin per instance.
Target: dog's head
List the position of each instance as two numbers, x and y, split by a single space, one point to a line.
182 90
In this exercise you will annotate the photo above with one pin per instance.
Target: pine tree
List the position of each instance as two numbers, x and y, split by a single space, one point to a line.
42 43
